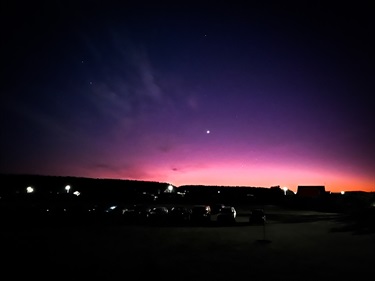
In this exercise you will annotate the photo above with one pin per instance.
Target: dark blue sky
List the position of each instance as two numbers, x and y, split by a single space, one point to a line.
213 92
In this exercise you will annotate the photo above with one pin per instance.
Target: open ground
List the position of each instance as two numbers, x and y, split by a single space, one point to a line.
292 245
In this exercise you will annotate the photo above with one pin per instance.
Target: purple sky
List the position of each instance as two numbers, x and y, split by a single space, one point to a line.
215 93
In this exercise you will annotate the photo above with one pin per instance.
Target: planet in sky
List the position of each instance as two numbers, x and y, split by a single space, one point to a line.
226 93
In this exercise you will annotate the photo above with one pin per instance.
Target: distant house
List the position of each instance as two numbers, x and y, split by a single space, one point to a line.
311 191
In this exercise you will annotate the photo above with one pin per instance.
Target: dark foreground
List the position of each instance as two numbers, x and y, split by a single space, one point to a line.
293 245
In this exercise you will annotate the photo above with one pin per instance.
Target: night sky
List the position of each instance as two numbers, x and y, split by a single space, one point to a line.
236 93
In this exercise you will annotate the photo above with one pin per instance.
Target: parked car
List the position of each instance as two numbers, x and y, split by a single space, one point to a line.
227 215
136 213
179 214
257 216
200 213
158 214
216 208
63 208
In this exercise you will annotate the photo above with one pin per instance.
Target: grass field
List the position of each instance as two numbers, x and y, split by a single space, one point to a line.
293 245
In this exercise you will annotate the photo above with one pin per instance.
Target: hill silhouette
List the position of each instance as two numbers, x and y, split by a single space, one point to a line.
103 188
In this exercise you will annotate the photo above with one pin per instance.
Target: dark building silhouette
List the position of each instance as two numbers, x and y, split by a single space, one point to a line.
311 191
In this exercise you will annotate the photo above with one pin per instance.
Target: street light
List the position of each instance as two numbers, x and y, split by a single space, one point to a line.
67 188
170 188
285 190
29 189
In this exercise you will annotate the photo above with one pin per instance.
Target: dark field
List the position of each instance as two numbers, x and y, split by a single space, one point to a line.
293 245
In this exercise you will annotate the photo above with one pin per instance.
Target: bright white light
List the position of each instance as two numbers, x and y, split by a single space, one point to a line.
76 193
67 188
170 188
342 192
29 189
285 190
208 131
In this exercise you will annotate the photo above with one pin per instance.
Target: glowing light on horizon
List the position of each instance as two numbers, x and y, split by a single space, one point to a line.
285 190
170 188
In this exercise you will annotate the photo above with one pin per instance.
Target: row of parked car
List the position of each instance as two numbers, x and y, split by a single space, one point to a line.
200 214
61 209
173 214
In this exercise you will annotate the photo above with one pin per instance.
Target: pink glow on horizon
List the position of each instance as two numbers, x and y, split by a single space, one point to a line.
231 175
220 167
